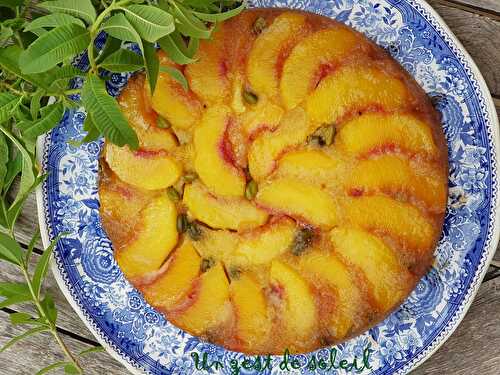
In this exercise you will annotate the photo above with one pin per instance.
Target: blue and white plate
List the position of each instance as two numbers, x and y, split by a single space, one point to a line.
144 341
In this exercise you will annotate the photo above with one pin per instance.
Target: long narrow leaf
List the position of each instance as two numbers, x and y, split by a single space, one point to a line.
150 22
51 118
152 64
13 289
14 300
79 8
54 47
8 103
123 60
118 27
31 246
177 75
174 50
16 339
4 158
9 60
106 113
188 24
111 45
42 266
219 17
10 250
51 367
52 20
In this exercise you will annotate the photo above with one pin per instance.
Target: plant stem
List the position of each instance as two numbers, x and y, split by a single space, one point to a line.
51 325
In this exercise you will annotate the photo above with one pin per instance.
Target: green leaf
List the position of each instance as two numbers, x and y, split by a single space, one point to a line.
4 158
118 27
54 47
150 22
50 118
111 45
15 300
175 49
11 3
123 60
16 339
92 132
106 113
9 60
49 308
52 20
177 75
152 64
20 318
218 17
14 289
42 266
35 103
8 103
71 369
95 349
31 246
52 367
10 250
27 174
5 34
188 24
16 207
14 166
79 8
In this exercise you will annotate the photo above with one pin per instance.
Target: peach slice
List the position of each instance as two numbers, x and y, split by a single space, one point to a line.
263 245
207 304
355 87
137 109
224 213
208 76
155 238
329 269
309 165
398 219
321 51
389 280
265 116
374 131
266 55
182 109
265 150
252 318
299 199
391 173
176 280
143 169
218 245
299 314
213 161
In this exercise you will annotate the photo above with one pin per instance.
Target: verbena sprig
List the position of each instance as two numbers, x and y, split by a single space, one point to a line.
38 43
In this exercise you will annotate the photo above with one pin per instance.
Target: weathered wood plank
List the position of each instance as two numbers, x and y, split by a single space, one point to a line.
491 7
480 37
67 318
32 354
474 348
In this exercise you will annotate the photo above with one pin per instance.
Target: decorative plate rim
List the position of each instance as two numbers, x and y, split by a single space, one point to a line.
488 251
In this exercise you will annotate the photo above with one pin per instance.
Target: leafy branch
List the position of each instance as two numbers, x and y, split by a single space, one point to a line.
38 44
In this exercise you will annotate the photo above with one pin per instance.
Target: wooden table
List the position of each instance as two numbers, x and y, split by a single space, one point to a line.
474 348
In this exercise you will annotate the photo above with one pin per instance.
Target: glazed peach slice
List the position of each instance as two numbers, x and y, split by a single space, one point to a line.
355 87
136 107
208 75
389 280
398 219
376 131
155 238
330 270
299 199
314 56
269 145
176 279
217 244
182 109
252 318
214 160
224 213
311 165
207 304
149 170
266 55
298 314
265 116
264 244
393 174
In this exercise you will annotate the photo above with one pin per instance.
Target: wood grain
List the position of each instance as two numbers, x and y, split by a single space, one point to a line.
487 7
32 354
